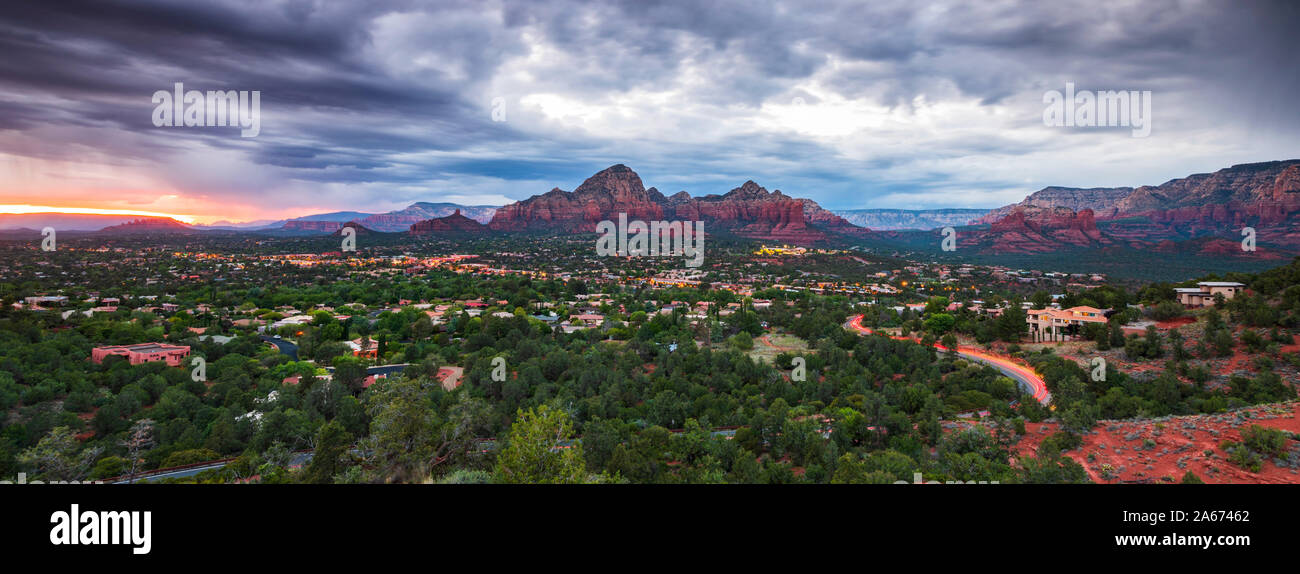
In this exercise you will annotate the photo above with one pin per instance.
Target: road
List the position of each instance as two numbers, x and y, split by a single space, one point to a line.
286 347
298 459
1025 376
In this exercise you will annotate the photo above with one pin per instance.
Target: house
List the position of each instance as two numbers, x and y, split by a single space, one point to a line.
294 320
1202 295
1051 322
370 350
143 353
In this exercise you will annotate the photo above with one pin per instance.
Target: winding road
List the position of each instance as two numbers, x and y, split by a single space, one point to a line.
285 347
1025 376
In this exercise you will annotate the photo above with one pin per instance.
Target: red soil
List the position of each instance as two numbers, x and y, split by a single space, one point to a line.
1119 445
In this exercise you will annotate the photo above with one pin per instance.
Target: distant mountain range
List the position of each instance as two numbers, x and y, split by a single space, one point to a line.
392 221
402 219
389 222
1198 214
62 221
889 219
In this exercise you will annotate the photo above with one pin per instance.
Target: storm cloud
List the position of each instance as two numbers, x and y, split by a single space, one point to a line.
372 105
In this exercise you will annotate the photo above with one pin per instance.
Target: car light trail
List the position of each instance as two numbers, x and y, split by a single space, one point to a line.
1020 372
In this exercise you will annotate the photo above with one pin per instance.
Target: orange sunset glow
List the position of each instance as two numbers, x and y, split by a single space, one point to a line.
17 209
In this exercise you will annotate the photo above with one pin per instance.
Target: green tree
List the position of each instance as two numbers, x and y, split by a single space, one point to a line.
332 444
408 439
742 341
539 450
190 456
349 372
940 323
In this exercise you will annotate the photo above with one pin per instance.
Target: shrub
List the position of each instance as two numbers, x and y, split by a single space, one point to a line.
1265 440
184 457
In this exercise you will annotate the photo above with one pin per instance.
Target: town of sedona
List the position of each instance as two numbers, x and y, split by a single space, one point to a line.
400 255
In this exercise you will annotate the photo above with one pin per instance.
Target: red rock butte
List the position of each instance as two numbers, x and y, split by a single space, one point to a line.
748 211
454 224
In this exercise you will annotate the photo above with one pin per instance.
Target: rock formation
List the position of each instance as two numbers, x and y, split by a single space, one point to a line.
1100 200
454 224
749 210
1264 196
149 225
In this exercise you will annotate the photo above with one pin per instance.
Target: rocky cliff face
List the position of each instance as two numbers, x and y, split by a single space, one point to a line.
1031 230
454 224
820 217
1264 196
604 195
1101 200
748 210
1244 184
751 211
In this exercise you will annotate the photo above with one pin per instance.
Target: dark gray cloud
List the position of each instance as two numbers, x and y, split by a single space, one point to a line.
369 104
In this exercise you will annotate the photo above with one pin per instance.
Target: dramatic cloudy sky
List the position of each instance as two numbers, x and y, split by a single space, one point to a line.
372 105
